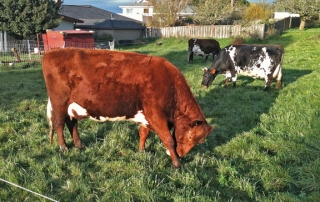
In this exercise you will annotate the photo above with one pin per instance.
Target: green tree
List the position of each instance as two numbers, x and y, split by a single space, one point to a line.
212 11
26 18
166 11
305 8
209 12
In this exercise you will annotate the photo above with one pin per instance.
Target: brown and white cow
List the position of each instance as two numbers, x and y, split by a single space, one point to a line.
109 86
203 47
257 61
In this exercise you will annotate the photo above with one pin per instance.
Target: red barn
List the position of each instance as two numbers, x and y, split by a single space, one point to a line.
68 38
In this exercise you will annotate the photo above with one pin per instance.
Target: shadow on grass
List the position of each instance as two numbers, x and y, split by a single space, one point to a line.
234 110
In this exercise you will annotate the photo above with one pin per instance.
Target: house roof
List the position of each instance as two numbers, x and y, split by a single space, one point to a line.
96 18
137 4
71 19
70 32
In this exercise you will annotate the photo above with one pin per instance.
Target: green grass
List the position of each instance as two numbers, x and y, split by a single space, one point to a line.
265 146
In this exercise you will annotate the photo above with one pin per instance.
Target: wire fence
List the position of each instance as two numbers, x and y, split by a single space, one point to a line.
20 51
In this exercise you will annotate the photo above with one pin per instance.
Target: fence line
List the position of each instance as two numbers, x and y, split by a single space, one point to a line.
30 50
21 51
213 31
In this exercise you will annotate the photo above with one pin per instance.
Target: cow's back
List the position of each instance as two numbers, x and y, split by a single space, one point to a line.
101 78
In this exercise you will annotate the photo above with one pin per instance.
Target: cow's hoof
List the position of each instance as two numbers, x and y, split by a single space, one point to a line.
177 164
63 148
141 149
81 146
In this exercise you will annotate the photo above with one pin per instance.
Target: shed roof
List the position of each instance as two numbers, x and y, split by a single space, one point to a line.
96 18
70 32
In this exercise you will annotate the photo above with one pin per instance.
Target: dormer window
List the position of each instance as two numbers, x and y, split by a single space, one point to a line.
129 10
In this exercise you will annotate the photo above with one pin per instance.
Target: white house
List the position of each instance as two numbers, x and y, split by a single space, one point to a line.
282 15
138 10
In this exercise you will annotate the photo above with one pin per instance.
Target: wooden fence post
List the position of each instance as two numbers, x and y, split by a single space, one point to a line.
16 54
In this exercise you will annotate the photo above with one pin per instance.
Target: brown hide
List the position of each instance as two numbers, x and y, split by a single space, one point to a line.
119 84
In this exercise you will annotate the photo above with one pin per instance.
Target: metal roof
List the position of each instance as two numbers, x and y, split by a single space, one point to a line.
96 18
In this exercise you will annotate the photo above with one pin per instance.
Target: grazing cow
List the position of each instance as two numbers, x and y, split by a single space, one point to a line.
257 61
203 47
109 86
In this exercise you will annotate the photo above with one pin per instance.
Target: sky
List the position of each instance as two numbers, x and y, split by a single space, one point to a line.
109 5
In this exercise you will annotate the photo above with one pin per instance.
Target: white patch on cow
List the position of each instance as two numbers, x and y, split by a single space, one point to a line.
260 69
80 111
234 79
228 74
104 119
232 54
140 118
277 71
197 50
168 152
254 73
49 112
266 61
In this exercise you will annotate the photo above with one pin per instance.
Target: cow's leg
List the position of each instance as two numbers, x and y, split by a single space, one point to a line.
234 79
269 80
73 129
228 77
190 56
56 121
279 79
49 119
206 58
170 144
59 127
160 126
143 133
227 82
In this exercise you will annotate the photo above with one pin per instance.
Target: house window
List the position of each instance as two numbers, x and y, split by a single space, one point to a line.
129 11
146 10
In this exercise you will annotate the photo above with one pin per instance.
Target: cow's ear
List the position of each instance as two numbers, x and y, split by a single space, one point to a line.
213 71
195 123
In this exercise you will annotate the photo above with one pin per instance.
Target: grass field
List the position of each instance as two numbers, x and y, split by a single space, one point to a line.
265 146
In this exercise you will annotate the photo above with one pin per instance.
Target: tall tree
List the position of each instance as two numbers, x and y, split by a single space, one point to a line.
166 11
305 8
26 18
211 11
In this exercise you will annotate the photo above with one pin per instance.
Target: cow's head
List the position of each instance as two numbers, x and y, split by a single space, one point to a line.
208 76
188 134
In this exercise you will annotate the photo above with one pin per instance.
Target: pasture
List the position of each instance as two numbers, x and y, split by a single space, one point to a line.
265 146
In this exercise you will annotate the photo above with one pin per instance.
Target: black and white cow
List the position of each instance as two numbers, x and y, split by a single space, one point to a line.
257 61
203 47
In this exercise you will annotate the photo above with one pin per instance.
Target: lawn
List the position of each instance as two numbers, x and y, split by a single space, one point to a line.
265 146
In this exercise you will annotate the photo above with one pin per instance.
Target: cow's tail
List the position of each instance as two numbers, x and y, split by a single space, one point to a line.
49 118
279 76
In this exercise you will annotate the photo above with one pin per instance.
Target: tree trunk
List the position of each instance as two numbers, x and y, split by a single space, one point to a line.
302 24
